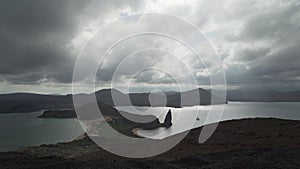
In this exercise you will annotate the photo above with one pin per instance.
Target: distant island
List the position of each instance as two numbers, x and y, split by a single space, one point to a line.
28 102
53 113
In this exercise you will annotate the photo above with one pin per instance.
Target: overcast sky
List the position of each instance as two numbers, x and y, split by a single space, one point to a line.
258 43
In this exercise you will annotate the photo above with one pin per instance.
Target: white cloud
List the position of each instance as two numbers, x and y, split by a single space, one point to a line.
257 42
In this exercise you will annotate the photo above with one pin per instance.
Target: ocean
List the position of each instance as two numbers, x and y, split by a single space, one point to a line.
22 130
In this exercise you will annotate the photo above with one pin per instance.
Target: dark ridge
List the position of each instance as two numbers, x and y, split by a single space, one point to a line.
28 102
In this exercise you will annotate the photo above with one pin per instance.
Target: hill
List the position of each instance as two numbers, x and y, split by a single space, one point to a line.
28 102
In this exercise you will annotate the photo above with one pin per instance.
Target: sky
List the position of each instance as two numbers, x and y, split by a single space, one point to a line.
258 43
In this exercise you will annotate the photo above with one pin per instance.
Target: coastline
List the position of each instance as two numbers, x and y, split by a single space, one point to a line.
266 139
135 132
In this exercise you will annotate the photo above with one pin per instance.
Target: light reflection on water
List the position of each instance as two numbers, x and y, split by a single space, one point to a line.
233 110
21 130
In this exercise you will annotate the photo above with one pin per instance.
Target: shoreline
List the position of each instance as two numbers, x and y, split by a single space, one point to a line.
247 140
135 131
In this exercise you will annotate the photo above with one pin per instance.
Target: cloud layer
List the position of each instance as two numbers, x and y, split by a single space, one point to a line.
258 43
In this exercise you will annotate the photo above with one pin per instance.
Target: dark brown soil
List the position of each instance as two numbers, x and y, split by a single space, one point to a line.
249 143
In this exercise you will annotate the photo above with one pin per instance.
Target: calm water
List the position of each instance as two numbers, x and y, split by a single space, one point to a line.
21 130
234 110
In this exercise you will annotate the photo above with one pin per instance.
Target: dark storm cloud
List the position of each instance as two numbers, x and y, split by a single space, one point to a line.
31 17
246 55
287 59
267 49
277 24
24 58
34 39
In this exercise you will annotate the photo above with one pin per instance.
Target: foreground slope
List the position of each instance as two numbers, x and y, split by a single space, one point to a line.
248 143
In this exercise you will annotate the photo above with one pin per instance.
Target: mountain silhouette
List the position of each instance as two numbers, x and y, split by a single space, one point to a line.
29 102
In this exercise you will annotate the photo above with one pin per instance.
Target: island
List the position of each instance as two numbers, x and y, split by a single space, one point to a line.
124 122
31 102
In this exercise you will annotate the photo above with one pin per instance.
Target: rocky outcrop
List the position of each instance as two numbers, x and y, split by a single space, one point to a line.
168 120
58 114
